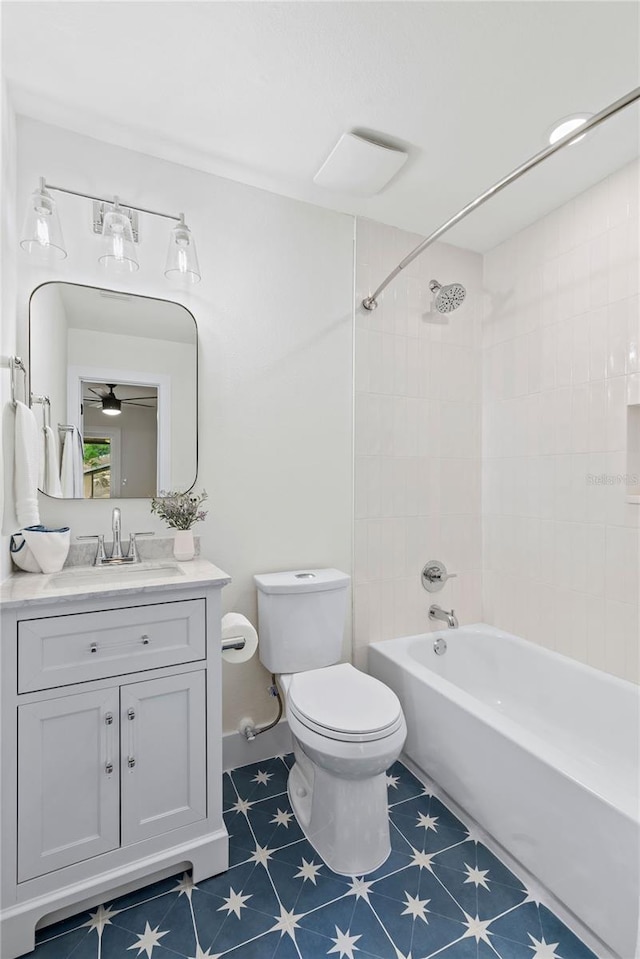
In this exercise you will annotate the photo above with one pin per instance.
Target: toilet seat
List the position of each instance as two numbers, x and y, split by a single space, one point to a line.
340 702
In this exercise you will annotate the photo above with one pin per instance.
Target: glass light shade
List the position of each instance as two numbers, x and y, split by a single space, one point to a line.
41 231
182 258
119 253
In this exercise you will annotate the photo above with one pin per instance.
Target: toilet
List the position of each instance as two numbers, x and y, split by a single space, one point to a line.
347 727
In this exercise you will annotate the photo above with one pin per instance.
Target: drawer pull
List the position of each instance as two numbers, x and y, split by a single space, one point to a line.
144 639
108 768
131 762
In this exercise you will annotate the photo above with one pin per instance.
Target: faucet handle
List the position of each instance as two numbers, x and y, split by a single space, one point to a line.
132 553
435 575
101 556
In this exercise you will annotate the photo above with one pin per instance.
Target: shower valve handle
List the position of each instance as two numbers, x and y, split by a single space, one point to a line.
435 575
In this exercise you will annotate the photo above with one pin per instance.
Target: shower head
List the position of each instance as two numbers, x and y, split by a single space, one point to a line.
447 298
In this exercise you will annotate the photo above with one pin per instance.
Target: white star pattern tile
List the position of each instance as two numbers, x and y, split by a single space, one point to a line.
441 893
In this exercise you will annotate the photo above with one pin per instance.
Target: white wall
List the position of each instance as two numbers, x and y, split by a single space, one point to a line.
48 367
561 362
417 438
8 325
274 314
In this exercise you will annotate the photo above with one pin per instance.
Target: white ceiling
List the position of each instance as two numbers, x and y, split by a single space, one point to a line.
260 92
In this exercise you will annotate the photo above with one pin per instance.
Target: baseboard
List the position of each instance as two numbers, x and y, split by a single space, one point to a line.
237 751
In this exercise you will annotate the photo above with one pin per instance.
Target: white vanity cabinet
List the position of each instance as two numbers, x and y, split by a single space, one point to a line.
110 747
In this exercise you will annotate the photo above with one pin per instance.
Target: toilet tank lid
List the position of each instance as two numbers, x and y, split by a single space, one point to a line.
301 581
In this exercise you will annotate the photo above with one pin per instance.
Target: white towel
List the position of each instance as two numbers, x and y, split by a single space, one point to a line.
71 473
25 467
49 464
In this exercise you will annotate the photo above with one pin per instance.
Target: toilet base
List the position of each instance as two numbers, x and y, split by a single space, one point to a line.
345 820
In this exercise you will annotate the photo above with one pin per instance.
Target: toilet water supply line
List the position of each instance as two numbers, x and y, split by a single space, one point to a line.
248 730
371 302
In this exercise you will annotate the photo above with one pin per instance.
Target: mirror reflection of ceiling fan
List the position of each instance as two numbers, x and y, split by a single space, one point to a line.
104 397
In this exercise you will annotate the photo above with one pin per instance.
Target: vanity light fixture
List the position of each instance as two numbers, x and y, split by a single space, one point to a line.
182 258
117 223
41 231
119 255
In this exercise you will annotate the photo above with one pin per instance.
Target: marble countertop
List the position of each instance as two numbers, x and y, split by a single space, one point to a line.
87 582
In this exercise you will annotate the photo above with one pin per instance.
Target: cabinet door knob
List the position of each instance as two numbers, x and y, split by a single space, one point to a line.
145 639
93 648
108 768
131 762
108 719
131 713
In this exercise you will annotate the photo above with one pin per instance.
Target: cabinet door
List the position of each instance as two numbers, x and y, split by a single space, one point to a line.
163 755
68 781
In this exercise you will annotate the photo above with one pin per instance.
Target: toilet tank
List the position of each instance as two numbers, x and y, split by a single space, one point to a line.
301 618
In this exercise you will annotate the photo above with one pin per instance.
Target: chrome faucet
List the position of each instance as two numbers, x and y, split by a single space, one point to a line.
117 557
116 552
450 618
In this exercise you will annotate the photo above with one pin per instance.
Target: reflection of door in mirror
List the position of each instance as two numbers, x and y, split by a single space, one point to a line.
123 459
122 369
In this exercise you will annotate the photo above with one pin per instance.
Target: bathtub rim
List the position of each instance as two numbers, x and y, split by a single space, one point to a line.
625 803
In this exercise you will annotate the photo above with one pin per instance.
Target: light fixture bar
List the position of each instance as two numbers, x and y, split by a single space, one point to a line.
370 302
109 201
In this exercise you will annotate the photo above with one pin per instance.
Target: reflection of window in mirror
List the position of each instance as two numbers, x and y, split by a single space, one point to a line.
97 467
122 369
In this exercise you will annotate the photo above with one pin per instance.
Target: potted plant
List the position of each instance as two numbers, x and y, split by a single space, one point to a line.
180 511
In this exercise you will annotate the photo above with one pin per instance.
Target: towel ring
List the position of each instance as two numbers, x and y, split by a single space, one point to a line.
15 363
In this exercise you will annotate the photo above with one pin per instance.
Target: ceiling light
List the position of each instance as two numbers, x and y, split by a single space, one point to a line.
567 125
111 405
41 231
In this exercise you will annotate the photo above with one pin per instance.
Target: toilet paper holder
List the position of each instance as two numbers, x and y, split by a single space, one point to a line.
234 642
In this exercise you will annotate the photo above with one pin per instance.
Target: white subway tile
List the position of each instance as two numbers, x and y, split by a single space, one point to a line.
622 564
599 272
597 416
598 343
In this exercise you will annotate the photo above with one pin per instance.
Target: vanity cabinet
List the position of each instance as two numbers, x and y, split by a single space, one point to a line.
110 753
67 803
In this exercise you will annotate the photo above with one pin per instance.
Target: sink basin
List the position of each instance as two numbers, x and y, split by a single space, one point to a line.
97 575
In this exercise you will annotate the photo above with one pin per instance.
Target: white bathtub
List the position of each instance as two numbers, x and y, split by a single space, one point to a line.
542 751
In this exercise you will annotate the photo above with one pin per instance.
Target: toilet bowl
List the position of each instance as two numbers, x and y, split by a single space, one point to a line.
348 728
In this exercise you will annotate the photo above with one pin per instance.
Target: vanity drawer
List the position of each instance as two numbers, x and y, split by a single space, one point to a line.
60 650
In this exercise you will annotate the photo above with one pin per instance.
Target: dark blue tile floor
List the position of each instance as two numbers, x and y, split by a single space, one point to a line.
441 893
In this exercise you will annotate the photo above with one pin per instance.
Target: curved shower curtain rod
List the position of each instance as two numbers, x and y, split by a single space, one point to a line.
371 302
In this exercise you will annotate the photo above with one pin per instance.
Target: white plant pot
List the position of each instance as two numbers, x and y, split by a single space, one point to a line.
183 545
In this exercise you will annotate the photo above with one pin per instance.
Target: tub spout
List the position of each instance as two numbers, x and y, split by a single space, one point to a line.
450 618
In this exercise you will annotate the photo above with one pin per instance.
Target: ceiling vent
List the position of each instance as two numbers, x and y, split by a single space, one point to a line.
359 167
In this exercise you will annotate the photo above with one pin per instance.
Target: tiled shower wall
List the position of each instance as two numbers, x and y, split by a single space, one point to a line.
561 341
524 409
417 438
